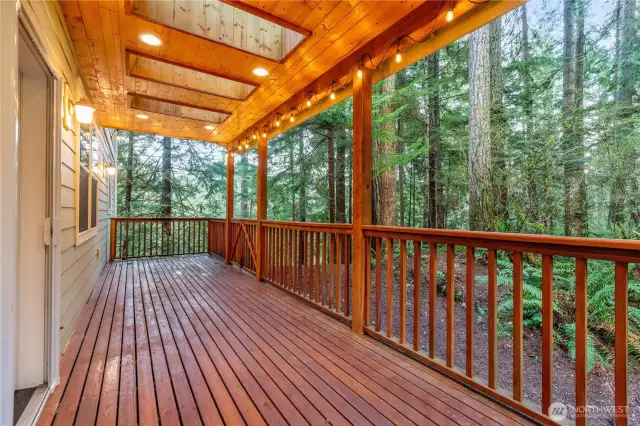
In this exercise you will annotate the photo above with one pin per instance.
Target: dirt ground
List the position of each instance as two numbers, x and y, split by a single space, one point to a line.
600 380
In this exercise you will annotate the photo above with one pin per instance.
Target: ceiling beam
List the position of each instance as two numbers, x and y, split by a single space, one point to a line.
268 16
178 103
129 52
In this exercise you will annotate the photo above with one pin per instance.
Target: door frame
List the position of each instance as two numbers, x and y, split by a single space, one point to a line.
52 266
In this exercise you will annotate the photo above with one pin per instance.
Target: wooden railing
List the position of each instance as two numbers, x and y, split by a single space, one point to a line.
217 239
243 244
312 261
147 237
380 303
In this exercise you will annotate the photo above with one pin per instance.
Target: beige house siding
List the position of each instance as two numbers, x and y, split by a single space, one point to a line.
80 264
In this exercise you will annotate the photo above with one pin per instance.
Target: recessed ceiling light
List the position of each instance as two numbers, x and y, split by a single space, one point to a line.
150 39
142 116
260 72
209 127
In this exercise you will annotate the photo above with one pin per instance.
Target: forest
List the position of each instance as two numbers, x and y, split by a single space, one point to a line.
529 125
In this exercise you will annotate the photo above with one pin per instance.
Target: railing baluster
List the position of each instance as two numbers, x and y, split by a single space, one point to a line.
493 320
331 268
378 281
403 292
338 244
621 342
581 338
389 287
317 271
517 326
324 269
470 310
451 294
433 288
367 282
417 284
547 332
347 274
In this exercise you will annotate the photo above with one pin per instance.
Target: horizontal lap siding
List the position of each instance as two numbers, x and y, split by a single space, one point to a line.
80 265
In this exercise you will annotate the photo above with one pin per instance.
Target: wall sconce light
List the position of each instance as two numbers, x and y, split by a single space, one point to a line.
111 169
84 111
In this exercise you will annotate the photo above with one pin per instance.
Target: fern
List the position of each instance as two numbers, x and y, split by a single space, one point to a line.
594 354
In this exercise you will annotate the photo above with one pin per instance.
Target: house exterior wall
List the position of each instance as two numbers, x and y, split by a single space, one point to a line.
81 263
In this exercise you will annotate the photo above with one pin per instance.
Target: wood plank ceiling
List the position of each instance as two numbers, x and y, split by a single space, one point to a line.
201 75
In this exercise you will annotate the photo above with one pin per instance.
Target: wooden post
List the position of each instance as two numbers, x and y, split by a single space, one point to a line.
261 211
362 171
112 240
229 239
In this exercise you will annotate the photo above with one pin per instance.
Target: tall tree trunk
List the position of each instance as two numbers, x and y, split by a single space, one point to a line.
386 149
244 200
302 185
434 195
331 176
340 183
572 148
291 177
535 201
624 111
498 124
401 180
128 185
165 197
128 188
480 201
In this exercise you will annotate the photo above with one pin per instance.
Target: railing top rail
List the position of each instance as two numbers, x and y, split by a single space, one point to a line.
163 219
342 228
246 220
596 248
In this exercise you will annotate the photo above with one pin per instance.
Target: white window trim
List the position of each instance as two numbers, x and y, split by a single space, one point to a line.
82 237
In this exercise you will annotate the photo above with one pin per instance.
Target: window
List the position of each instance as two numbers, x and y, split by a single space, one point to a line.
88 170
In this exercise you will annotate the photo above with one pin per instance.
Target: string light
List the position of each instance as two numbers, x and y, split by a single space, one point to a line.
332 95
449 15
264 133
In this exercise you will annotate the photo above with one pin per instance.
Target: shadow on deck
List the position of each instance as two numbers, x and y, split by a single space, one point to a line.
189 340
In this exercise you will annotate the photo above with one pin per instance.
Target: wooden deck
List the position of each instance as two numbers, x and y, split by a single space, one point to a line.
189 340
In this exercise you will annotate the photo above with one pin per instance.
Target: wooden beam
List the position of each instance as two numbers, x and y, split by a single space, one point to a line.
255 83
362 177
261 211
230 172
134 95
268 16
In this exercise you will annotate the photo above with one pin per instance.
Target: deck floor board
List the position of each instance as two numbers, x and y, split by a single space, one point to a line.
189 340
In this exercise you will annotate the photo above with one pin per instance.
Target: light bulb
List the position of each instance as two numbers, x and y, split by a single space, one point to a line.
277 123
332 96
264 134
308 103
359 73
254 137
449 16
84 111
292 119
398 57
